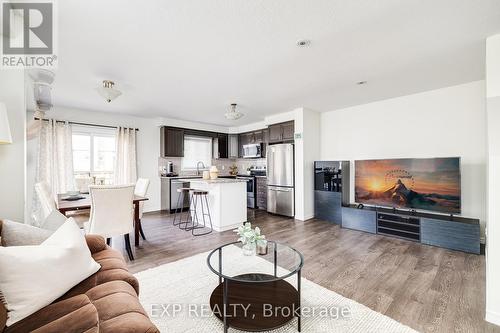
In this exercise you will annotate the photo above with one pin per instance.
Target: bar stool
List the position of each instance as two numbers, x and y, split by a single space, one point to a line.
199 197
180 207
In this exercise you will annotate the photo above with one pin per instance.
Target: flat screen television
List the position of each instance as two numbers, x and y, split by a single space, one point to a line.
431 184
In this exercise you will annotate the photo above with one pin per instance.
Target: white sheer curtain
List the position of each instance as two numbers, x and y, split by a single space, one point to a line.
126 162
55 161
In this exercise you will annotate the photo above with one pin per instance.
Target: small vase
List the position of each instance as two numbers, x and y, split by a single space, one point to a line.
262 247
248 249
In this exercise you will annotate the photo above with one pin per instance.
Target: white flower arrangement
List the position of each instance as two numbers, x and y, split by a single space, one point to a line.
249 235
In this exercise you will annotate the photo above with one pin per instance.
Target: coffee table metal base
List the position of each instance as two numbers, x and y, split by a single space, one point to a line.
256 307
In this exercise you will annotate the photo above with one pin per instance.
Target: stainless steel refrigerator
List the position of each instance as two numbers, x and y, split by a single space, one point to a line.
280 179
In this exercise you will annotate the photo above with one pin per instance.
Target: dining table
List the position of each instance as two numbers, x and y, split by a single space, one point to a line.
84 202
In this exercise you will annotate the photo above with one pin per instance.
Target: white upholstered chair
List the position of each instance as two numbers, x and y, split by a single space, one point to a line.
141 189
112 213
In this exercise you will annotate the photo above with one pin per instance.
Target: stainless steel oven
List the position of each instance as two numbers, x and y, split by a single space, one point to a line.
251 190
252 150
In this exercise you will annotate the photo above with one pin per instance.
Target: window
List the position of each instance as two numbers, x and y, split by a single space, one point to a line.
94 154
196 149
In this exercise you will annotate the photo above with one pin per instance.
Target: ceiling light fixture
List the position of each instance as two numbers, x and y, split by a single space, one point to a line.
233 114
360 83
42 89
303 42
107 91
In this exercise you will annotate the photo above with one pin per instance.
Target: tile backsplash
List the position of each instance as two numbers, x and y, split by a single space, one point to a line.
222 164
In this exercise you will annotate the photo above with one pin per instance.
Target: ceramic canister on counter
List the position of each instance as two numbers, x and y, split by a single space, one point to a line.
206 175
214 173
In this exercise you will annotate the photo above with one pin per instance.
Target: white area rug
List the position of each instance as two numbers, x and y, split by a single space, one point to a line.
187 284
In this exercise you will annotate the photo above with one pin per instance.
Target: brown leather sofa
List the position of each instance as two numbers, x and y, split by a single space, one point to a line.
105 302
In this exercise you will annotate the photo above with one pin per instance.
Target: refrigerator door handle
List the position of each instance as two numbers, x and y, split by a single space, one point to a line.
279 190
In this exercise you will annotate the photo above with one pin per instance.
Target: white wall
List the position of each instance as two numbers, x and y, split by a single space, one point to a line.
438 123
12 156
493 229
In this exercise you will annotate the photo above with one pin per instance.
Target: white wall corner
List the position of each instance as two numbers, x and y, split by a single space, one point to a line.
492 317
493 66
493 180
307 150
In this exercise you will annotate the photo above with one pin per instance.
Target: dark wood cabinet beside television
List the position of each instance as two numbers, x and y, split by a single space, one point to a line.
459 234
359 219
328 206
331 189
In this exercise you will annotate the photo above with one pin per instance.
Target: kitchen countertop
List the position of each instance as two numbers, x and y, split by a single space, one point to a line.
180 177
218 181
193 177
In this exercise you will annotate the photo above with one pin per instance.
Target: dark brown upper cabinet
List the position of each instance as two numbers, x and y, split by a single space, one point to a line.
171 142
243 139
282 132
251 138
257 137
223 145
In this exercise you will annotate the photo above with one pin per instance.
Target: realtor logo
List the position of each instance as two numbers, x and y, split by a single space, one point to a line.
28 34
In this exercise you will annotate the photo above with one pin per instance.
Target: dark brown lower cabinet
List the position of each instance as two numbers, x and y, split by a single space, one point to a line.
262 193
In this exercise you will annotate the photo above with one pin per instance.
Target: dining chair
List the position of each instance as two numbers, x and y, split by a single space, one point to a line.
111 213
141 189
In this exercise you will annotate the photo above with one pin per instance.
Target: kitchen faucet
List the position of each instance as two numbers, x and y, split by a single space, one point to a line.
198 167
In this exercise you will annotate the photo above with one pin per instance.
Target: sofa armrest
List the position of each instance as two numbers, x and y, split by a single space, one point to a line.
96 243
3 316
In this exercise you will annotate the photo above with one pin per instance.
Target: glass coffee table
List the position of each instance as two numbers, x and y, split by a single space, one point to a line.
253 294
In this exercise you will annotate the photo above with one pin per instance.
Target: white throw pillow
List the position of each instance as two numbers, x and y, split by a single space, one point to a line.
32 277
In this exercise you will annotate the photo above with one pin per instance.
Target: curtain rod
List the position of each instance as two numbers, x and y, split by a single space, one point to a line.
85 124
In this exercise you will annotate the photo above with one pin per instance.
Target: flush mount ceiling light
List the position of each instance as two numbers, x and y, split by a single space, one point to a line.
107 91
360 83
233 114
42 89
303 42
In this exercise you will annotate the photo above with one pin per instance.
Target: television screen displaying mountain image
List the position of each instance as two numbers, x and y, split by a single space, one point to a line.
423 183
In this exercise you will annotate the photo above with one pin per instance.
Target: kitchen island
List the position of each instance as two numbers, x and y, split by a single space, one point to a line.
227 201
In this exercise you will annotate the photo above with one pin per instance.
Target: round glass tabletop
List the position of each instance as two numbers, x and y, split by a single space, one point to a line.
229 262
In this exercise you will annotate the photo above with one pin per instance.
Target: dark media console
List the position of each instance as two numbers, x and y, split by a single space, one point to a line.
451 232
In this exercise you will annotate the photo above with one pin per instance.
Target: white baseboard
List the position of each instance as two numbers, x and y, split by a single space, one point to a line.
304 218
308 217
228 227
492 317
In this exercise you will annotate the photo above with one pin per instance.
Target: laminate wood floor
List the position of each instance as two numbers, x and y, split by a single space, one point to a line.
427 288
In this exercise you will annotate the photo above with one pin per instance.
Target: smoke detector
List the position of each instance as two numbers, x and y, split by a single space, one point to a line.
303 42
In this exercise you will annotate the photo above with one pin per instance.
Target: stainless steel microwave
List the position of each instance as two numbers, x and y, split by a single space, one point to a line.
252 150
